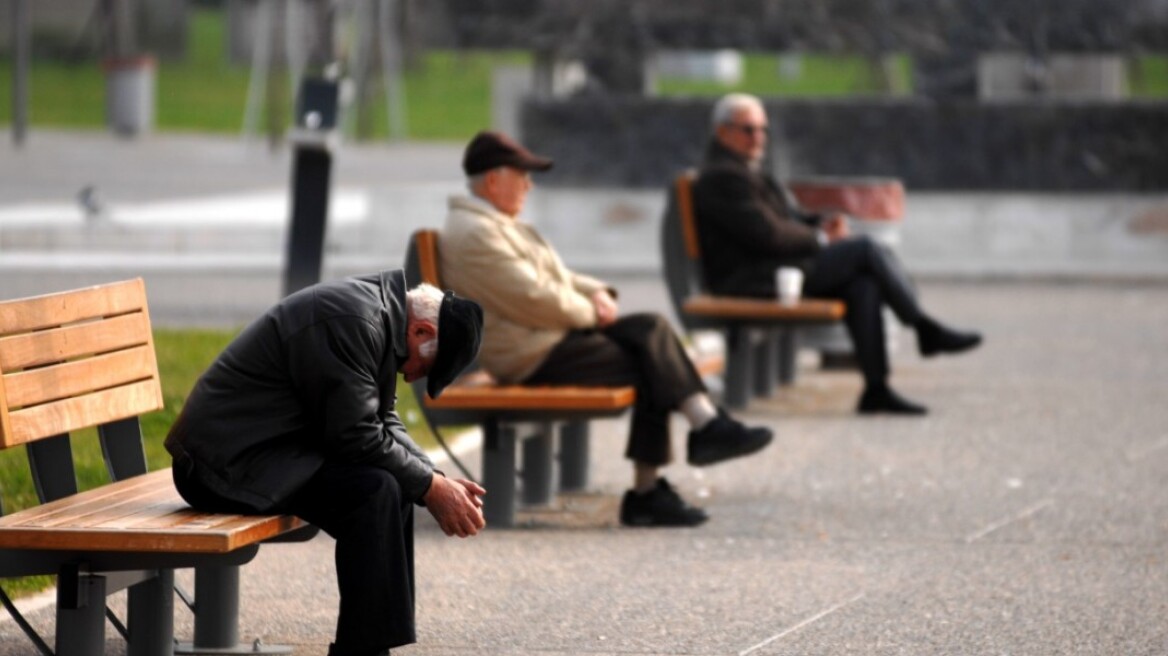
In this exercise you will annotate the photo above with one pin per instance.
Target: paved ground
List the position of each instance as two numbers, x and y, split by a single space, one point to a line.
1024 515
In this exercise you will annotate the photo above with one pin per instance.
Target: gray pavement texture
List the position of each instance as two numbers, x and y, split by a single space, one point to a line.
56 164
1025 514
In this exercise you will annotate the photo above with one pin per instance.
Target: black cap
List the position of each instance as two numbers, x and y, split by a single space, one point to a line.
490 150
460 331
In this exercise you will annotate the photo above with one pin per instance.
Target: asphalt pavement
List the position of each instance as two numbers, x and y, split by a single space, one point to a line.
1025 514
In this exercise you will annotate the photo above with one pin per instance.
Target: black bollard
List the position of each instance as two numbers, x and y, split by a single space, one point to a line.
314 139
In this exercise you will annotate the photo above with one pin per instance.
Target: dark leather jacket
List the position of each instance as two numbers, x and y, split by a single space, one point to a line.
312 380
748 226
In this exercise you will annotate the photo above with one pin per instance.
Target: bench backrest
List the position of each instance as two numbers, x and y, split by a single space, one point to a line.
74 360
681 251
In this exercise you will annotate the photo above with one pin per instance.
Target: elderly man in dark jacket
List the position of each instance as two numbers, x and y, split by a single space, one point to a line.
749 225
297 416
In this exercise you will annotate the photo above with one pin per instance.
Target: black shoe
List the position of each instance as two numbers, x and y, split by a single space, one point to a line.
934 337
724 438
877 399
661 506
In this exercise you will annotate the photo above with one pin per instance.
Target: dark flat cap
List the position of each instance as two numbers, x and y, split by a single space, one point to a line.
490 150
460 332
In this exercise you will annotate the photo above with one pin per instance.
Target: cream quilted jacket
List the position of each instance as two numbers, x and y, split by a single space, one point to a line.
529 298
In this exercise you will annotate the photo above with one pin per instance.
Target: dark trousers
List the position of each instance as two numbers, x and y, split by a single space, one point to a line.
640 350
362 508
866 276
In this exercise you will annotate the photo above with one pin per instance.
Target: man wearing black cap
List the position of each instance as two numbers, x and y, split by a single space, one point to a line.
545 324
297 416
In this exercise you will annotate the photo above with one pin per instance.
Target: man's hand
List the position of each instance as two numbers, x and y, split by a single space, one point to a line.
606 309
836 227
457 505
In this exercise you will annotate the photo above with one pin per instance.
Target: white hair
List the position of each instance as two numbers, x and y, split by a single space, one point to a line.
730 104
423 303
475 182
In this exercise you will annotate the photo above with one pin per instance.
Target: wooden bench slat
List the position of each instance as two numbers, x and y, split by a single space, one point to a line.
426 242
68 379
685 210
256 529
49 310
92 409
66 342
810 310
118 512
152 517
522 397
45 512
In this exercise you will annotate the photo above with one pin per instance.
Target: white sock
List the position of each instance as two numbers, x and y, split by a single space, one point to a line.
699 410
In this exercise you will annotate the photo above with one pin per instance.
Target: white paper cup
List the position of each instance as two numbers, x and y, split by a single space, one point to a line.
789 282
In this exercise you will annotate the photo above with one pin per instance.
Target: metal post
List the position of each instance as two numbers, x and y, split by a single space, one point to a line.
765 364
151 615
317 113
312 170
216 606
217 616
738 368
20 50
538 465
574 456
499 474
81 616
787 352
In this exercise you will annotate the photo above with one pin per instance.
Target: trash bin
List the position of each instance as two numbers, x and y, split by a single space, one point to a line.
129 95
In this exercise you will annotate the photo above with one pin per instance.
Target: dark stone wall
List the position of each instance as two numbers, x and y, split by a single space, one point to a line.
1037 146
922 27
943 37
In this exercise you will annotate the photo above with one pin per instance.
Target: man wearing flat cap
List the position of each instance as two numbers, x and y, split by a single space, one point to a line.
545 324
297 416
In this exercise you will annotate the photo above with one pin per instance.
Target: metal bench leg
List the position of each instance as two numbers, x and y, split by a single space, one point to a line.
574 456
786 353
217 616
499 474
766 364
80 615
738 368
151 616
539 465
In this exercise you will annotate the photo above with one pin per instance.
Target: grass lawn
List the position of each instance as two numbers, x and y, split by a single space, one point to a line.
447 96
182 357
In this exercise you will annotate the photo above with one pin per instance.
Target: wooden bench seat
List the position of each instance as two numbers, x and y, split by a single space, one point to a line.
760 334
81 359
142 513
729 307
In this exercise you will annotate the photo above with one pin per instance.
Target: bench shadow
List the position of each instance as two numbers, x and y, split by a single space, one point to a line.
572 511
818 393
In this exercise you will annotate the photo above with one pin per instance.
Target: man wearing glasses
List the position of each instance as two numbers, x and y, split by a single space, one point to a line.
749 225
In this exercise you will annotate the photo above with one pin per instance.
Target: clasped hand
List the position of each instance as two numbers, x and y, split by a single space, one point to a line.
836 227
606 309
457 504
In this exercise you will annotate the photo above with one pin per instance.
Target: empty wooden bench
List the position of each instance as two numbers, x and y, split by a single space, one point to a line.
81 359
514 415
760 334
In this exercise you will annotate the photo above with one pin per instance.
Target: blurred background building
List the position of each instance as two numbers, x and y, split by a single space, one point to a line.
152 135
